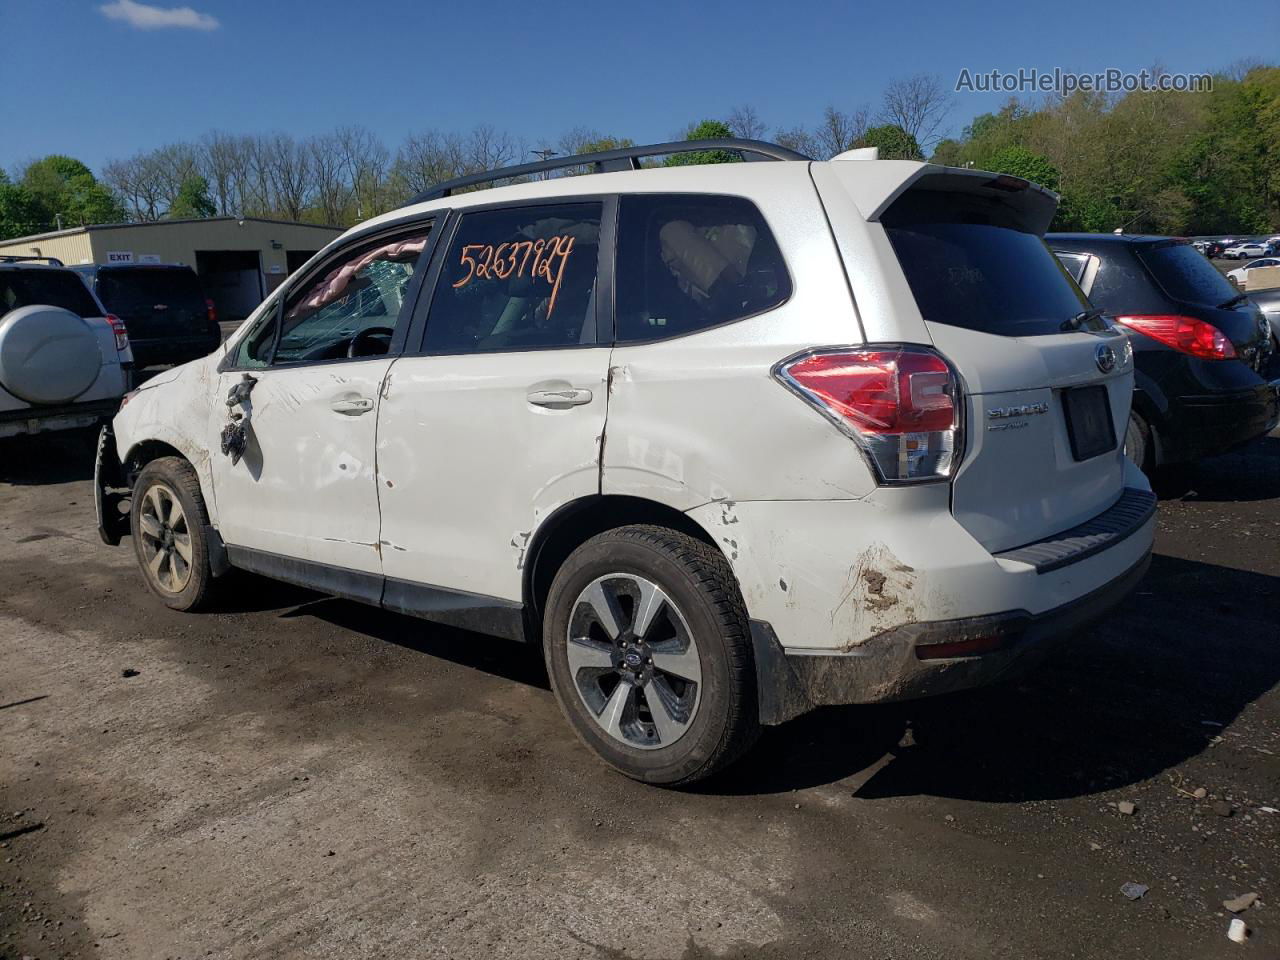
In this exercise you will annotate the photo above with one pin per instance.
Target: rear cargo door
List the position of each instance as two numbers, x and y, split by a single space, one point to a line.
155 302
1047 385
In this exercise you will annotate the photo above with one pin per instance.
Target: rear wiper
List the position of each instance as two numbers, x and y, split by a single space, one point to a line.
1080 319
1233 301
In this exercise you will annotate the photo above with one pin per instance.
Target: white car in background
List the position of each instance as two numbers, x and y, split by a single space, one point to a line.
1239 274
729 442
1243 250
64 361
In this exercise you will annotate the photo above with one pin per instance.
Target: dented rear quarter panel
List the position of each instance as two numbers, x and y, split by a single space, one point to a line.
699 418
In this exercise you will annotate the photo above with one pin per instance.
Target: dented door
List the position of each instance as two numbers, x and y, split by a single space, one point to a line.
305 487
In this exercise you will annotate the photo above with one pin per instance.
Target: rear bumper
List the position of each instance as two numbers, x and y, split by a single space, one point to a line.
850 598
1210 414
898 664
68 416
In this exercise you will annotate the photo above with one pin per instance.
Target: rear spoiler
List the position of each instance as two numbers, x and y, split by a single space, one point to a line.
874 188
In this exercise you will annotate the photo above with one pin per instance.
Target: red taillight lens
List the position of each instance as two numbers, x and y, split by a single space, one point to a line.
900 403
1186 334
213 311
117 327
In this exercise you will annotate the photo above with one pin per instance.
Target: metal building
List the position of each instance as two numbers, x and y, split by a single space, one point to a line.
239 261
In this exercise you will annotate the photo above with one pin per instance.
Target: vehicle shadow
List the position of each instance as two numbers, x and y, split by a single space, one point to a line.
1251 472
1142 692
61 457
518 662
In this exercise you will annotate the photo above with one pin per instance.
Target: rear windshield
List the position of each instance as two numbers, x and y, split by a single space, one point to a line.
968 269
128 291
1185 274
55 288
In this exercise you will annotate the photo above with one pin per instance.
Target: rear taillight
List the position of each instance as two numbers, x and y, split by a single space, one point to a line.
1186 334
122 335
899 403
212 310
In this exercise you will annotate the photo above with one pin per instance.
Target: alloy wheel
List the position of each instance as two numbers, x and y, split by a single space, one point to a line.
166 538
633 660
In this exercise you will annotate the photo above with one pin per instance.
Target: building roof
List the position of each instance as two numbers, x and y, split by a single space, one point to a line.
89 228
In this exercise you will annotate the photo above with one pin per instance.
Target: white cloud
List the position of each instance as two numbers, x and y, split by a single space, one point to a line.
143 16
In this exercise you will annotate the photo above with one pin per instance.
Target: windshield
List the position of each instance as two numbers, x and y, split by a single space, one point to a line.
56 288
1185 274
142 290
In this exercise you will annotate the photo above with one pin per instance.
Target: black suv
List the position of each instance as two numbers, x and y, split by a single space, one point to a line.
1202 351
163 308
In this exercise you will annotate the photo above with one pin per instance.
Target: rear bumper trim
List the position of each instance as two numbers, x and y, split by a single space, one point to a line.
889 667
1122 519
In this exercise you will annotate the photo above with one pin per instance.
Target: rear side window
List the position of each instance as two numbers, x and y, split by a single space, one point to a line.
55 288
688 262
1075 264
1122 286
967 267
518 278
1185 274
131 291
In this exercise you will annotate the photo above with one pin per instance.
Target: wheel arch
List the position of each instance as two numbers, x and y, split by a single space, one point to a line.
572 524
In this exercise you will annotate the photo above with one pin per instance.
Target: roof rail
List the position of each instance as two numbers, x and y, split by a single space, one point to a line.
53 261
625 158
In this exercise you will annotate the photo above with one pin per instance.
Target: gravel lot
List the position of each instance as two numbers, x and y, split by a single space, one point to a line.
302 777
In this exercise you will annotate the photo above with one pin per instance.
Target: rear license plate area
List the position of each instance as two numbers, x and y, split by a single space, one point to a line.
1089 425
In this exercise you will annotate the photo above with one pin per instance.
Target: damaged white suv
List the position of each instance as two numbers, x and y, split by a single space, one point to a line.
729 442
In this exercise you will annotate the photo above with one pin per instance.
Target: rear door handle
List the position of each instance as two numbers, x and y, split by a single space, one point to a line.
354 406
568 397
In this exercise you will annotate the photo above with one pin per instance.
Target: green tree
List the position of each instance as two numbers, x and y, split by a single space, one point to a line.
65 189
193 200
894 142
1021 162
706 130
20 215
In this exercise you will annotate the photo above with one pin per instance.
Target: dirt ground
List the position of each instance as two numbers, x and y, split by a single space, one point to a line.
295 776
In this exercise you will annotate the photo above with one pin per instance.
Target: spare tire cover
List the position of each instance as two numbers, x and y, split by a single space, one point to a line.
47 354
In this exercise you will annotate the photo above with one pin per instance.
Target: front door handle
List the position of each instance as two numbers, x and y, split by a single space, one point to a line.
568 397
353 406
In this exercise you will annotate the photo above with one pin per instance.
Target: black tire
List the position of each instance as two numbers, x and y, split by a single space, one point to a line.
187 587
1137 443
698 583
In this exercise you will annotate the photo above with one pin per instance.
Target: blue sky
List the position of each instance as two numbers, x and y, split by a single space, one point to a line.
75 80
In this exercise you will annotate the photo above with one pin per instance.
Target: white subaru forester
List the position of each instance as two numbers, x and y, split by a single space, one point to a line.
730 441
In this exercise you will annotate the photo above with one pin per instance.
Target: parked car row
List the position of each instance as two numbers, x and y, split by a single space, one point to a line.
1229 248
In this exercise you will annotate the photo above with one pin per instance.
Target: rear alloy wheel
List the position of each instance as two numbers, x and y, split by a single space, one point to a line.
168 522
648 649
634 662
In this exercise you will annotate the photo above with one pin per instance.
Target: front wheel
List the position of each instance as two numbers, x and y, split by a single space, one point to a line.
167 520
648 648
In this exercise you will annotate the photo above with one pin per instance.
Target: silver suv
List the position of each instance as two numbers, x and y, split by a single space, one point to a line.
64 361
